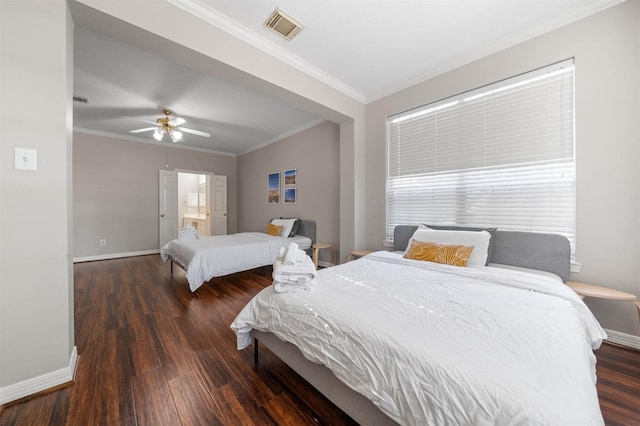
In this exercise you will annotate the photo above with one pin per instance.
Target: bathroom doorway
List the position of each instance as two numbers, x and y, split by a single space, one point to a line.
196 199
194 202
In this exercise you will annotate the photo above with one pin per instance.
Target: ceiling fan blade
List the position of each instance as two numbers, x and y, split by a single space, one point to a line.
177 121
195 132
146 129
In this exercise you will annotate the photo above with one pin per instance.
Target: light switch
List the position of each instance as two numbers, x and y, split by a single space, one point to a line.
25 159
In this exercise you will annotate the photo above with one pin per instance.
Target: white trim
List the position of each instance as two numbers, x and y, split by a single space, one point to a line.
151 142
114 255
41 383
212 16
325 264
623 339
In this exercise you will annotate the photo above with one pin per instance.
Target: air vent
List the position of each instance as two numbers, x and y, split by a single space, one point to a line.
80 99
283 24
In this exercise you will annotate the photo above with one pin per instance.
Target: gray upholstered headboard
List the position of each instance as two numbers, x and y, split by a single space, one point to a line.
546 252
307 228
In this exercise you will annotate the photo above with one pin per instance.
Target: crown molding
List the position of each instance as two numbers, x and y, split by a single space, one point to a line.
212 16
151 142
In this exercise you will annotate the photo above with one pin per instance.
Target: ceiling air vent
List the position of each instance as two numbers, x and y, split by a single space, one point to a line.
80 99
283 24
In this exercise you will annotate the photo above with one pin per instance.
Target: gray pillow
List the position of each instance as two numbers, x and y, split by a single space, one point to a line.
468 228
294 230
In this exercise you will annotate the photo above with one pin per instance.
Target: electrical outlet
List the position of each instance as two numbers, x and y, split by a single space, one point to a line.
103 242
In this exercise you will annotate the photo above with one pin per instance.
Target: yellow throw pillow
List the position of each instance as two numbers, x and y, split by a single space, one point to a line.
456 255
274 230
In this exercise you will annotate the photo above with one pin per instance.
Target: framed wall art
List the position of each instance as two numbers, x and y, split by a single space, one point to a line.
290 195
290 177
273 188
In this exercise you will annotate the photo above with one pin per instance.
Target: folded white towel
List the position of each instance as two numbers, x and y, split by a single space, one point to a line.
188 234
291 254
305 266
281 287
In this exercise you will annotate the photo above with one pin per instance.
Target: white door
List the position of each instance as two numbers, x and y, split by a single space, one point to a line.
168 209
219 207
209 199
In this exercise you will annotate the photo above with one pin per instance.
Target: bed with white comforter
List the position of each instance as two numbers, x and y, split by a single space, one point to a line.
215 256
443 345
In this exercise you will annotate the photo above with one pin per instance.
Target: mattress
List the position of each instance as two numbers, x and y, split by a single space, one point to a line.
437 344
220 255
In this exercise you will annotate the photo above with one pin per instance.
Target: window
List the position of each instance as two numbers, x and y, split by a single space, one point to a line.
501 155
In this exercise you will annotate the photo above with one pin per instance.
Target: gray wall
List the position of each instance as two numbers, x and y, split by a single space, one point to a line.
606 47
315 153
36 283
115 191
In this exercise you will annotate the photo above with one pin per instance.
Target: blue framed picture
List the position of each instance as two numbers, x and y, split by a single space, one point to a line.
290 195
273 188
290 177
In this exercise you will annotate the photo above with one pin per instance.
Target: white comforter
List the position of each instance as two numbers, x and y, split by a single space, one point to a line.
434 344
219 255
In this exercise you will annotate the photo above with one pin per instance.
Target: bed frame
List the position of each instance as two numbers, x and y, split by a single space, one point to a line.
546 252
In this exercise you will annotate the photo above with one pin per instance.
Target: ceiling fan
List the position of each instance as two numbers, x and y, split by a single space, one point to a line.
170 126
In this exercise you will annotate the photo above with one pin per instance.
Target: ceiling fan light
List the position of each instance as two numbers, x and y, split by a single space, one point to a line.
157 134
176 135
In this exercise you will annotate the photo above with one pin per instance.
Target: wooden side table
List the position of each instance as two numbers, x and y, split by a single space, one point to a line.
357 253
590 290
319 246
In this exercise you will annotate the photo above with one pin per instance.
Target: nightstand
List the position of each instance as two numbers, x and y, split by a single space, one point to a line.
358 253
319 246
589 290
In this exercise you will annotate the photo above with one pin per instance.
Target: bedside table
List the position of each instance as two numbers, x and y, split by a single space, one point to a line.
319 246
357 253
589 290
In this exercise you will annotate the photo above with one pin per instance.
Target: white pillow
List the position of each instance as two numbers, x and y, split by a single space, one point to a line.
478 239
287 225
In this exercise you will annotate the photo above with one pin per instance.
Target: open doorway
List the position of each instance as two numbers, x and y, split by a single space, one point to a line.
197 199
194 202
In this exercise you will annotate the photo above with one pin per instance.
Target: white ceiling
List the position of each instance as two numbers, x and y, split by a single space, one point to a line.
366 49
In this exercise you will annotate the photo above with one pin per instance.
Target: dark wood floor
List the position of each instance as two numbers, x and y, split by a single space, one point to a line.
153 353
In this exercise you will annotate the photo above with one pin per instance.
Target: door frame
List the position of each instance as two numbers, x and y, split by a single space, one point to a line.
209 195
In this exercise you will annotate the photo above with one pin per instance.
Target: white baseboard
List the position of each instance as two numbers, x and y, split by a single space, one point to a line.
623 339
41 383
324 264
114 255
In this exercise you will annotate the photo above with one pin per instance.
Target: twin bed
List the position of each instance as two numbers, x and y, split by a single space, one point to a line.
208 257
418 342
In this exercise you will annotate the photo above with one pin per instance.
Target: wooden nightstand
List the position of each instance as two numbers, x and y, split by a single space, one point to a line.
590 290
358 253
319 246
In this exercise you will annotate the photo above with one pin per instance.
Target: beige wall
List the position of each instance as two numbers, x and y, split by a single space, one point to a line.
606 48
315 154
115 191
36 287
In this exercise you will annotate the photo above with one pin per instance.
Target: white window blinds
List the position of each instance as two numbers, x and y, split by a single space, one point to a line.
501 155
